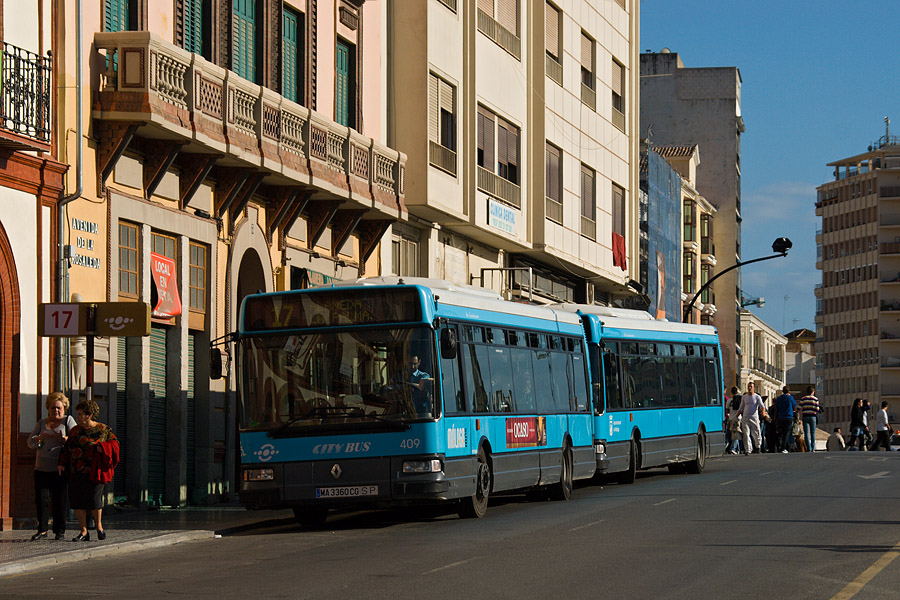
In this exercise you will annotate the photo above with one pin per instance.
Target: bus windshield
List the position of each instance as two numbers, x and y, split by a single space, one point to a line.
337 379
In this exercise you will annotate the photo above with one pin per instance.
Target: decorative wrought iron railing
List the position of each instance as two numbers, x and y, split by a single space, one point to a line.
25 93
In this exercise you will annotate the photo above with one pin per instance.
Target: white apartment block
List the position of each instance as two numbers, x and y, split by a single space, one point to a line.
763 361
494 101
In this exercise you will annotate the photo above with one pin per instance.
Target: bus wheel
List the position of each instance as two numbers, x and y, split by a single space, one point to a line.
475 506
629 475
563 489
696 466
311 517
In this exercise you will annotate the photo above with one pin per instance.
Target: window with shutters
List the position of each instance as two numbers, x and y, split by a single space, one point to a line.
618 94
498 157
292 36
442 123
405 256
588 76
193 26
120 15
244 39
197 284
553 182
552 27
588 203
499 21
128 261
618 209
345 85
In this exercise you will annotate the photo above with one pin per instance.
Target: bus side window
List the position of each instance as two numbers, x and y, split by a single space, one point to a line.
523 379
559 371
476 373
543 390
451 385
578 379
614 399
501 378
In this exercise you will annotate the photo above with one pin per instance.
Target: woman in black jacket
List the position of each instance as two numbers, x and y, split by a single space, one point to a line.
857 428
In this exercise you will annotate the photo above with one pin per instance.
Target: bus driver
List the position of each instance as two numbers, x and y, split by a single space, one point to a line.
421 384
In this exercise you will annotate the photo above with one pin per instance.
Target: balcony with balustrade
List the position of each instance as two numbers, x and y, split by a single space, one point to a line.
177 109
24 99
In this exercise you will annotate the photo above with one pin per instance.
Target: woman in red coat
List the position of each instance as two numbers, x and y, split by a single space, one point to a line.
82 449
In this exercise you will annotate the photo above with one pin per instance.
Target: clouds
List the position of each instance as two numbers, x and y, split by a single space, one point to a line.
781 209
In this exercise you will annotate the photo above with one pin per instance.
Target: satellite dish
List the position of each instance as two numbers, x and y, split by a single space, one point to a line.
665 51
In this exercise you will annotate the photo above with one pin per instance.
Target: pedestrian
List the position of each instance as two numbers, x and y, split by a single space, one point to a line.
89 456
809 412
869 438
50 488
786 408
857 431
734 424
726 421
882 428
835 441
752 409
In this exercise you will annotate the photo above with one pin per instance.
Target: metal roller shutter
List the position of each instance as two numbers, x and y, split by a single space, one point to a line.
191 424
157 443
119 490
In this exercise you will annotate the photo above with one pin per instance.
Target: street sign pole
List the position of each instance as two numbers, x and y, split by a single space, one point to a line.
89 354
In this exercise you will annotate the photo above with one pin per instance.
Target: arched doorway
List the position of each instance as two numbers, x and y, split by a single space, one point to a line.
251 277
10 323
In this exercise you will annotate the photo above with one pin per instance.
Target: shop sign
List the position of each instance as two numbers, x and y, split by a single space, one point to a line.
501 217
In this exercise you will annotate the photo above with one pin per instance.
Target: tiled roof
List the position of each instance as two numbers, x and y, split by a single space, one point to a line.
675 151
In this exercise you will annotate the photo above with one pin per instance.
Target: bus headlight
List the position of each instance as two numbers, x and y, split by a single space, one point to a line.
259 474
422 466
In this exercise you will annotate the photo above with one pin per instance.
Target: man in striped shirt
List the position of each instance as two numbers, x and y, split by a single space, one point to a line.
809 412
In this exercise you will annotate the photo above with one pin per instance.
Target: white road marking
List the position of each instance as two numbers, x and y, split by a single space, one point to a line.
727 482
588 525
879 475
450 566
665 502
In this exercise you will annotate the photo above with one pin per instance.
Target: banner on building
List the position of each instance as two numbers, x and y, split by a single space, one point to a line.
164 296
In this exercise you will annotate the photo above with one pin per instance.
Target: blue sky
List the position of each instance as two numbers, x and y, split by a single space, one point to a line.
818 79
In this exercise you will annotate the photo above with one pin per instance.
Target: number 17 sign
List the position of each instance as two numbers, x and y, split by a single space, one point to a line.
61 320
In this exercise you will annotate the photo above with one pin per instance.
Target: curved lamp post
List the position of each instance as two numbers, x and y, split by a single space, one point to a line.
779 246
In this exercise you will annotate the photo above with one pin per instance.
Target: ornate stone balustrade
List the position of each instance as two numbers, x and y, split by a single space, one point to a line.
154 84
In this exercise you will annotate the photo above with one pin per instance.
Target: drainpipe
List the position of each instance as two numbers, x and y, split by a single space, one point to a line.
62 264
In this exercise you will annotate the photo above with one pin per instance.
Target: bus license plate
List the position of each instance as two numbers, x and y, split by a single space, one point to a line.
350 491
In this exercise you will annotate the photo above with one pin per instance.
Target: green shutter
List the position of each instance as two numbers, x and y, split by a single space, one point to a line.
342 85
116 15
291 50
191 434
157 439
193 26
244 39
119 490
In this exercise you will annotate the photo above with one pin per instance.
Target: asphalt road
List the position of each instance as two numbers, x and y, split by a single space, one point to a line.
770 526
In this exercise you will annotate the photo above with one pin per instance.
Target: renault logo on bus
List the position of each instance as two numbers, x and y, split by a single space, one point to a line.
336 471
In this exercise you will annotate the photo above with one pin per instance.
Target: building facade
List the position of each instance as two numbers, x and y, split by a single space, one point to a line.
521 97
858 301
800 361
702 106
230 148
31 185
763 363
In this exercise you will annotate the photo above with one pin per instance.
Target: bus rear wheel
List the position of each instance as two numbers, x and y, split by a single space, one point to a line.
630 475
696 466
475 506
563 489
311 517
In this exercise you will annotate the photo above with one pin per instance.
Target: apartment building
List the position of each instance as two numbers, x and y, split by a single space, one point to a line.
698 257
31 184
702 106
236 147
858 301
800 361
763 361
494 101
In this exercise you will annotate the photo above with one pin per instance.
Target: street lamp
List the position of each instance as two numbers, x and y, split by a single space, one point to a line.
779 246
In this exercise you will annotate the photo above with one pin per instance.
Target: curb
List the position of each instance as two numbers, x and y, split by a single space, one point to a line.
60 558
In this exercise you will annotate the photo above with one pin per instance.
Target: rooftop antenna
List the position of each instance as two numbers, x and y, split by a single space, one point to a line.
887 128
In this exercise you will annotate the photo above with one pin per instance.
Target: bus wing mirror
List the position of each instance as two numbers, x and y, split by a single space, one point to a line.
448 344
215 363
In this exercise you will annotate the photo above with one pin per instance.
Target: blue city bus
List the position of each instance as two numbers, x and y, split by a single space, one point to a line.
384 391
658 391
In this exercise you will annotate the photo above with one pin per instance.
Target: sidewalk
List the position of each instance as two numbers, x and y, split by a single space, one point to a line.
127 531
